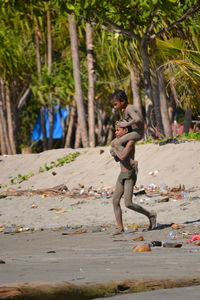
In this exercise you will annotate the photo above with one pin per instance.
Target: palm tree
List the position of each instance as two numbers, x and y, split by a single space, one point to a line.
77 81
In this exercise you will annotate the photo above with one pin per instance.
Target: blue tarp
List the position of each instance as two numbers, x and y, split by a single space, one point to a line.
59 115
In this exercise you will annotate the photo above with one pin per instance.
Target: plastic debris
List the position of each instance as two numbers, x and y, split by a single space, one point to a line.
156 244
161 200
2 261
172 235
131 227
194 238
170 141
153 173
142 248
177 226
197 243
16 229
171 245
34 205
138 238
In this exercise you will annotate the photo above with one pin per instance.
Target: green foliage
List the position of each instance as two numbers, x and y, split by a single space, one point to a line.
114 52
190 135
58 163
20 178
182 64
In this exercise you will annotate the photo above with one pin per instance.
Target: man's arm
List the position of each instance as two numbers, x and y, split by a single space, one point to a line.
122 155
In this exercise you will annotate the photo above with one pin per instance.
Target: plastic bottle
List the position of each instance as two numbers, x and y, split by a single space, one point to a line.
172 235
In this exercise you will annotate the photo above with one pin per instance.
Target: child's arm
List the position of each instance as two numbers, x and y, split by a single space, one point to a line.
122 155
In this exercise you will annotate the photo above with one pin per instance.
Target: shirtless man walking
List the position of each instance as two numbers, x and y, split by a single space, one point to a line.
126 180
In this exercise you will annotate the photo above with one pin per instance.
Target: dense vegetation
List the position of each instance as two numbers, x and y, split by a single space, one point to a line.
73 54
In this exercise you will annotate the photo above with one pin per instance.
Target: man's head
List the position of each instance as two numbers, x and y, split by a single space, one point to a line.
119 100
120 131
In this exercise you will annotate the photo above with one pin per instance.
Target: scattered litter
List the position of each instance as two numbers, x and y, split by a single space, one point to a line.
81 270
170 141
43 195
75 232
172 245
101 151
184 194
143 200
34 206
194 238
139 190
2 261
93 228
138 238
61 211
131 227
16 229
172 235
161 200
153 173
197 243
142 248
177 226
195 198
103 192
155 244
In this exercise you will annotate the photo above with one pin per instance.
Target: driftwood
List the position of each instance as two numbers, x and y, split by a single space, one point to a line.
57 190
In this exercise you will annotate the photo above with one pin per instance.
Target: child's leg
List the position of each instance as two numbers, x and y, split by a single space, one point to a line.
128 194
119 190
131 136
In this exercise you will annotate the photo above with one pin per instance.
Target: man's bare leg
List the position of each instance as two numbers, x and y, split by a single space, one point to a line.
119 189
152 220
128 193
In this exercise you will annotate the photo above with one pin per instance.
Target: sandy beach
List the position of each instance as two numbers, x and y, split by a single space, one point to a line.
170 165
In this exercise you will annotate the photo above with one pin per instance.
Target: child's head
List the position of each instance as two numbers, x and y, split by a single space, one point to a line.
119 99
121 130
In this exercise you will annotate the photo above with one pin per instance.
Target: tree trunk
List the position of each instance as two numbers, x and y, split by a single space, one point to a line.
43 127
38 58
78 137
3 130
49 65
72 117
187 120
77 81
156 99
147 88
5 143
100 132
171 106
163 105
135 82
90 65
51 123
42 109
10 123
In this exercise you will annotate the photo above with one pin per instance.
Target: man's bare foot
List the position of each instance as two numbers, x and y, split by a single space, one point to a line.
118 231
152 220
